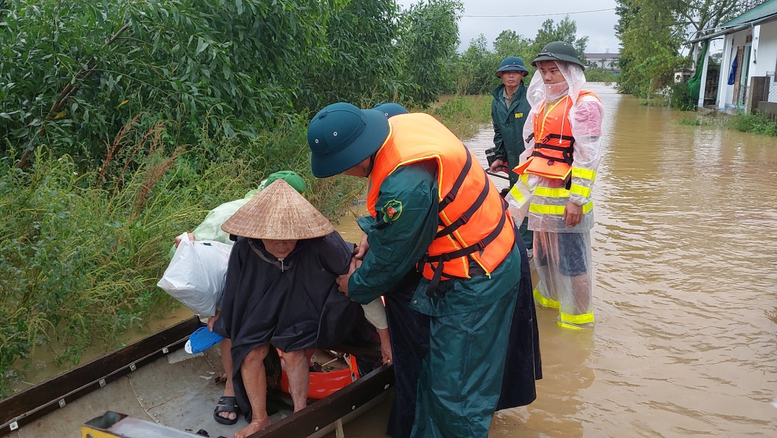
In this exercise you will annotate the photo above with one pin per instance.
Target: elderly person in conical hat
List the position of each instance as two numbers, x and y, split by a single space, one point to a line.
281 289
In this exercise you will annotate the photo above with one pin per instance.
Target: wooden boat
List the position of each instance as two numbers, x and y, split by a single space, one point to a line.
155 381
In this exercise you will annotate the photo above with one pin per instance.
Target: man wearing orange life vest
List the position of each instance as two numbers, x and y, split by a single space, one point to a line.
431 206
563 137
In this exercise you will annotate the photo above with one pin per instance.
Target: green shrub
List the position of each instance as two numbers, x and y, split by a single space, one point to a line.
757 123
597 74
680 97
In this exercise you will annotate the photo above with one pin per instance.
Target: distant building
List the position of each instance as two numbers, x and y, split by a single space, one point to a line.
682 75
606 61
747 80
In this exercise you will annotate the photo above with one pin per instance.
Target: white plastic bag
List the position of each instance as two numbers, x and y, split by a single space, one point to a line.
196 274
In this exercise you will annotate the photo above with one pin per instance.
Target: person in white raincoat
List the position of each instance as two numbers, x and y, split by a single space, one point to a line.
558 168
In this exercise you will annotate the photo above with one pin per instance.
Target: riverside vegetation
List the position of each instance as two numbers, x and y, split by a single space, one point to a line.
759 123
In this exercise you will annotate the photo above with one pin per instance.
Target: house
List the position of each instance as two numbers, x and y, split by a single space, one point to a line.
747 80
607 61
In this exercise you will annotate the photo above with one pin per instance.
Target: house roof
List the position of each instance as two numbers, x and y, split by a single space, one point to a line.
764 12
603 55
758 13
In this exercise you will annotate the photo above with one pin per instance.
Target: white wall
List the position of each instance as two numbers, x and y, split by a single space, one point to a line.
766 63
725 91
766 56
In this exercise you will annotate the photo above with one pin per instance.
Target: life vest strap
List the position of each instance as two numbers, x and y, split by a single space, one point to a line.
566 152
568 138
442 258
464 218
457 184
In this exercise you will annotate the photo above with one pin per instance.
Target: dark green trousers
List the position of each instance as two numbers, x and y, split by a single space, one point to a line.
461 376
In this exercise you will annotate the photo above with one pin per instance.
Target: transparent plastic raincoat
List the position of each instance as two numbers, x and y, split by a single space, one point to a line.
562 254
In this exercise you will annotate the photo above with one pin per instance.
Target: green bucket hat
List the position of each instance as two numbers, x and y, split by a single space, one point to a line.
341 136
290 177
511 63
558 51
390 109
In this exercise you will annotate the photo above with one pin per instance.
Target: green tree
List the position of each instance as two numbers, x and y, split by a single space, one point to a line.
565 30
430 35
653 32
651 42
509 43
474 69
361 60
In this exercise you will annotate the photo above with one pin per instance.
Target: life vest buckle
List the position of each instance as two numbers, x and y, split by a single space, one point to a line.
450 197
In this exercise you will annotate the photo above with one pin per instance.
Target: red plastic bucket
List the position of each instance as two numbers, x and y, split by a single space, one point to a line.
323 384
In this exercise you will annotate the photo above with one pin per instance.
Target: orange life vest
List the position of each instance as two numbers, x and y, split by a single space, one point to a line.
553 152
472 221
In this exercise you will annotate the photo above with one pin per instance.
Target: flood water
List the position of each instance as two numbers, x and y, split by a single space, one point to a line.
685 259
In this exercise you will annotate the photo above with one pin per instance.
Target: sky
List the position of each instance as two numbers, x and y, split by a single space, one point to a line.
525 18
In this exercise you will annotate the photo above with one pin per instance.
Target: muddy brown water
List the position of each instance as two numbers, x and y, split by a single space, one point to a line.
685 255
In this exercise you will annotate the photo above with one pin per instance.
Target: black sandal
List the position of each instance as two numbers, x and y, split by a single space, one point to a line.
226 404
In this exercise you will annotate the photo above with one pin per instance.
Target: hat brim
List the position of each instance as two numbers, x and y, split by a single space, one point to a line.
367 143
511 68
278 212
553 57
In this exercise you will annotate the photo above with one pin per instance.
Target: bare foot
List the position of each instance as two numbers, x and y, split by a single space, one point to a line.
253 427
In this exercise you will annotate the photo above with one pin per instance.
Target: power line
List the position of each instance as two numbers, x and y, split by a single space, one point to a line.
537 15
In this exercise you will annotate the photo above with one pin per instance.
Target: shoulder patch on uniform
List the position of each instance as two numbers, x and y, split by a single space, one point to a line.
391 211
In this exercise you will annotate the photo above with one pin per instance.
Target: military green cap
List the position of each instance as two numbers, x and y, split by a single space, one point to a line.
558 51
511 63
290 177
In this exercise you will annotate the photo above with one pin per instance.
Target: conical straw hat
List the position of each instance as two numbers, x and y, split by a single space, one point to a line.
278 212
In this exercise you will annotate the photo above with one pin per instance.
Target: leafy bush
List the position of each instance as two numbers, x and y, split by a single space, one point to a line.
74 71
362 64
473 73
680 97
758 123
597 74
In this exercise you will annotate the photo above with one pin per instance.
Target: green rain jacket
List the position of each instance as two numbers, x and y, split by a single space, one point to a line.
459 383
508 137
508 126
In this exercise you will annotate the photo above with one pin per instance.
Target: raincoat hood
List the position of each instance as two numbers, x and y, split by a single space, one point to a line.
539 91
